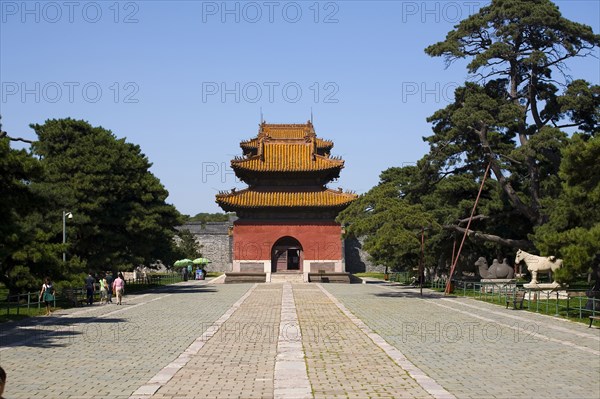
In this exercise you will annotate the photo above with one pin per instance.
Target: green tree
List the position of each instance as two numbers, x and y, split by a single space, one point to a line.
388 221
28 249
573 230
17 231
120 217
513 115
209 217
510 115
187 246
391 215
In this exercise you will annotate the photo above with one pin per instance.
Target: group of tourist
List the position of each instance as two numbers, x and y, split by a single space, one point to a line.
109 284
188 271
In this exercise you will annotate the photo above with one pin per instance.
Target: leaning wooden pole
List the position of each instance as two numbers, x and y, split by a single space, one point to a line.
455 260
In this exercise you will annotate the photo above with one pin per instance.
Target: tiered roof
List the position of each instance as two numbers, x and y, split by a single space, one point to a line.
286 132
249 198
287 167
287 157
252 144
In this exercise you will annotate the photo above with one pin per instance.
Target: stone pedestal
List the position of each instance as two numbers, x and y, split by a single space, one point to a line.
542 287
498 280
492 284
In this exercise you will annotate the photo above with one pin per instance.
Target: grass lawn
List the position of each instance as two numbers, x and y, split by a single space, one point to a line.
567 309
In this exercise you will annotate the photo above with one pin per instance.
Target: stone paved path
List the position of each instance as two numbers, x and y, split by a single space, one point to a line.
342 361
286 341
239 360
475 349
109 351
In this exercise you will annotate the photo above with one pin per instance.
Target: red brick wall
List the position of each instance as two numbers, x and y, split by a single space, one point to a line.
319 241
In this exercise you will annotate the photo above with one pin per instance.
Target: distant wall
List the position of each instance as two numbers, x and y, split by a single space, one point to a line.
215 242
357 260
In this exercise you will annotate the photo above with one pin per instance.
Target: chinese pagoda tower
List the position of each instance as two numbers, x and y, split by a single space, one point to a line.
286 217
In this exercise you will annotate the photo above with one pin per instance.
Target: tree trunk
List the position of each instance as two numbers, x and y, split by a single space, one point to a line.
507 242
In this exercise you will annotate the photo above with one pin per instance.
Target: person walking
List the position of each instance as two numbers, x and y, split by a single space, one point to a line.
47 294
118 287
103 290
109 281
90 288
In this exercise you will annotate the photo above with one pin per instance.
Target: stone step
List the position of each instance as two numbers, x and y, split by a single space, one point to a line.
240 277
287 277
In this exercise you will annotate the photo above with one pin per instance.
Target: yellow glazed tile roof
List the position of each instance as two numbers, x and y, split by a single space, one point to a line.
267 199
287 132
278 131
253 143
287 157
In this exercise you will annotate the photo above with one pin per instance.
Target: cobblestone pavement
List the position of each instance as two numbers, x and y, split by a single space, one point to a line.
239 360
342 361
108 351
193 340
479 350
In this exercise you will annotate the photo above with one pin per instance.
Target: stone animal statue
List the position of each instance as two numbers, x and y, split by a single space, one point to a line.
536 264
501 270
497 270
482 265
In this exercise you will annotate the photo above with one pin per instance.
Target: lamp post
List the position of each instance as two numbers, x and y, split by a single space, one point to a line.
421 259
65 216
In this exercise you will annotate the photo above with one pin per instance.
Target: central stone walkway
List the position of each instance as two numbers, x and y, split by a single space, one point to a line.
239 360
342 361
197 340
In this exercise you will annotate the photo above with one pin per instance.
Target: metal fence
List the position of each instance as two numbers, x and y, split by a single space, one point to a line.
402 277
569 303
29 303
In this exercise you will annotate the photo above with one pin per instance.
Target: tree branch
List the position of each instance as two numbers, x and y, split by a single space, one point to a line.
5 134
526 211
533 99
568 125
507 242
486 217
476 217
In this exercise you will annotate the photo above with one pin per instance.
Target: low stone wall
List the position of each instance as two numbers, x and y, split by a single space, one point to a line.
215 243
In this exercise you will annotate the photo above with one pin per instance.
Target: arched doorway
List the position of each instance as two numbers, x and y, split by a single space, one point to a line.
286 255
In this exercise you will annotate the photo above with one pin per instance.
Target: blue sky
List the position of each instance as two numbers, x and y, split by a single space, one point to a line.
186 80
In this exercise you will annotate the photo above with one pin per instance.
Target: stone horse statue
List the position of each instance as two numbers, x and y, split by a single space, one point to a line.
497 270
537 264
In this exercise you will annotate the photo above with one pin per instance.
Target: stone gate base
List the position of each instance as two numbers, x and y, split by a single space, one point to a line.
245 277
343 278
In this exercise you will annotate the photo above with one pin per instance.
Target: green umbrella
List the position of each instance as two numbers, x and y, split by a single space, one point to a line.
182 262
200 261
